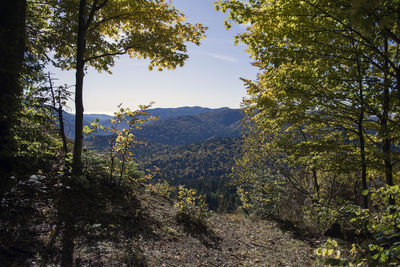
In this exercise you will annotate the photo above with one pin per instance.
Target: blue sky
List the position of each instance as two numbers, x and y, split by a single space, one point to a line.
210 77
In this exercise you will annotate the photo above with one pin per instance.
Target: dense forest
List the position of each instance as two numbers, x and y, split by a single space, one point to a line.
197 150
314 150
204 166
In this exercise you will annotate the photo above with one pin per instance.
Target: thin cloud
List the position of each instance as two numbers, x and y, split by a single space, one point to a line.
222 57
244 26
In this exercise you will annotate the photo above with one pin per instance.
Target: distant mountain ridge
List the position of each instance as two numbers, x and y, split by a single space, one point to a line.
170 113
176 126
194 128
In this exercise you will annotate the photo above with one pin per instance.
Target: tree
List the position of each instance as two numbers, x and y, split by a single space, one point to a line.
92 33
122 135
327 75
58 100
88 33
12 47
35 137
373 25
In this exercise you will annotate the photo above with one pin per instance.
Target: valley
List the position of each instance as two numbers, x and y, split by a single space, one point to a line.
190 146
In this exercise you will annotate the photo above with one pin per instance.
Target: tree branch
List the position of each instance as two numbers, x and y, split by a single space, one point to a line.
121 52
366 41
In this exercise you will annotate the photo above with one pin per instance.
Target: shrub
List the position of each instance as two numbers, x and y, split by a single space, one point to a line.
382 223
191 204
162 188
262 197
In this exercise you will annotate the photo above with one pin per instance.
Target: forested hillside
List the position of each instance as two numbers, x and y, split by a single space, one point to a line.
160 113
194 128
198 151
205 166
175 126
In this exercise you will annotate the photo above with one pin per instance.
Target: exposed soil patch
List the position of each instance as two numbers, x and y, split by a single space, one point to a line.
225 240
145 230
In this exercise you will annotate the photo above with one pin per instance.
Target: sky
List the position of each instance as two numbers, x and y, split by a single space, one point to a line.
209 78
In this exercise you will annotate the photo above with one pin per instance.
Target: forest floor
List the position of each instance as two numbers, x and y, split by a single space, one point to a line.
231 240
224 240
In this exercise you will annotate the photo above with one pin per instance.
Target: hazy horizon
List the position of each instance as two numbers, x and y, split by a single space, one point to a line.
133 108
210 77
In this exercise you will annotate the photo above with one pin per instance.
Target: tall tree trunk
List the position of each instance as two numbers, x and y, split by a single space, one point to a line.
362 158
68 241
385 131
80 73
69 227
361 135
12 47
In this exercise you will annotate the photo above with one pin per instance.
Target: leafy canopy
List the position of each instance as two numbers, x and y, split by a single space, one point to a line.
149 29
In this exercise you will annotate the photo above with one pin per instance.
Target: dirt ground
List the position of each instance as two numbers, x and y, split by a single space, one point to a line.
224 240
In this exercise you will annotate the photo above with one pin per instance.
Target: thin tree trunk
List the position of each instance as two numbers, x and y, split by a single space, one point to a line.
363 160
122 166
385 131
386 142
112 156
12 47
62 128
313 170
361 136
60 115
316 185
112 168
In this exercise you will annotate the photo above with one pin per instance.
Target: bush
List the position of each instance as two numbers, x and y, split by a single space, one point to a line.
162 188
191 204
262 197
320 216
382 222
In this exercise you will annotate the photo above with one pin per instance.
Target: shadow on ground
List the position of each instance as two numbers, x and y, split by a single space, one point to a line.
200 230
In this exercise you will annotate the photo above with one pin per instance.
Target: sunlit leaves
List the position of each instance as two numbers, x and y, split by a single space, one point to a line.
192 204
148 29
315 109
320 70
122 134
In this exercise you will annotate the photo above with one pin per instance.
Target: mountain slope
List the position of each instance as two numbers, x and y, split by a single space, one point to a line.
189 129
170 113
194 128
204 166
197 150
162 113
69 122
